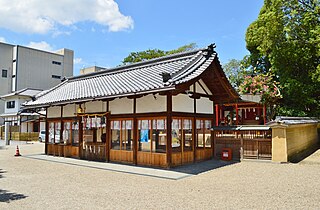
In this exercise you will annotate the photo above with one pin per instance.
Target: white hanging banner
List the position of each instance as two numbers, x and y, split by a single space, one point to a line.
128 124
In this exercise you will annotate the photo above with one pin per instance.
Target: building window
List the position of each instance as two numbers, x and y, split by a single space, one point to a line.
10 104
56 63
203 133
182 135
54 132
4 73
56 77
152 135
94 130
75 133
122 135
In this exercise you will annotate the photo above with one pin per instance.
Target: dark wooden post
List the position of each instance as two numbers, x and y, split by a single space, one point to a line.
264 115
169 129
135 132
61 132
47 133
237 113
214 144
80 137
194 128
108 131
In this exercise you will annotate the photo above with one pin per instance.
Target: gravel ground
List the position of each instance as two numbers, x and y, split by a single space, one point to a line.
36 184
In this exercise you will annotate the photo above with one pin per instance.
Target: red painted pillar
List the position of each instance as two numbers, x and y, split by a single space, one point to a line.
217 115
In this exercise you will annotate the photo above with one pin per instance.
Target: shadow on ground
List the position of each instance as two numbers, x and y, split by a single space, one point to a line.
200 167
1 173
6 196
303 155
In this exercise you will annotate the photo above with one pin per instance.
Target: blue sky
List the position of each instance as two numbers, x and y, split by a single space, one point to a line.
103 32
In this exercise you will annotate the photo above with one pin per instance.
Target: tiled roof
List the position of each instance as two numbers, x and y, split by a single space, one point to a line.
138 78
23 92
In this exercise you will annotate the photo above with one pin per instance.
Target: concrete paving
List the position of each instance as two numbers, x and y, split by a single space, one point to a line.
35 182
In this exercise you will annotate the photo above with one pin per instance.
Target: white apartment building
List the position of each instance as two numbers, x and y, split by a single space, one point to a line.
23 67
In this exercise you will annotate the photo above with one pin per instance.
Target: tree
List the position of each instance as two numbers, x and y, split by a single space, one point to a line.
235 72
134 57
285 41
264 86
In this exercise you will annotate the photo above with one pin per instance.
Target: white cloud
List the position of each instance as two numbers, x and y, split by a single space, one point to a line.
40 46
77 60
2 39
38 16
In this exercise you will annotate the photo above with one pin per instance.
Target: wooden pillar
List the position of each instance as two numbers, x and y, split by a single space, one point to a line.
194 129
214 144
237 113
217 115
80 136
61 124
169 129
264 115
108 132
135 132
241 146
47 133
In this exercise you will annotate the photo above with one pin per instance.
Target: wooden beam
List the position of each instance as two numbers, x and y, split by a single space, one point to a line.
203 88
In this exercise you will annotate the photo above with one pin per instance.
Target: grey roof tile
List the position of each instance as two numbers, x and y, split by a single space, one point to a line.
129 79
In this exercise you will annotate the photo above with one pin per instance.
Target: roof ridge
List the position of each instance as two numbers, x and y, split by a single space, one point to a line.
140 64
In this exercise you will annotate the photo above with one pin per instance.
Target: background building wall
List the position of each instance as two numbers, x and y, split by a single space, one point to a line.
6 64
32 68
40 69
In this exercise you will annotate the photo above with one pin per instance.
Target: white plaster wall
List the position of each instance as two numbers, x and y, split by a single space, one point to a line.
54 112
204 105
69 110
16 105
199 89
95 106
149 103
24 127
42 125
121 106
182 103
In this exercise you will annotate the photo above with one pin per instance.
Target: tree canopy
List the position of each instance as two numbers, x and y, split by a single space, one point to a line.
285 42
134 57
